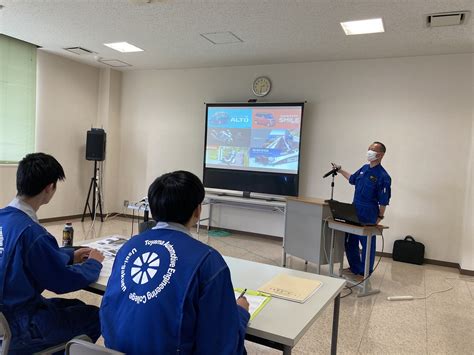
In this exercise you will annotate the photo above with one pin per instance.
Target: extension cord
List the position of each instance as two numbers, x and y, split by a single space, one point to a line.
400 298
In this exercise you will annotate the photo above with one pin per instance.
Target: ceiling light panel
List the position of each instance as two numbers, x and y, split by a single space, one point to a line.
123 47
363 26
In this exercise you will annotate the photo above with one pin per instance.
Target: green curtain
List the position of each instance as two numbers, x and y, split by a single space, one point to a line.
17 99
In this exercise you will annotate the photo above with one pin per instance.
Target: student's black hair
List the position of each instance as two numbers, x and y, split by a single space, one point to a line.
35 172
382 145
173 197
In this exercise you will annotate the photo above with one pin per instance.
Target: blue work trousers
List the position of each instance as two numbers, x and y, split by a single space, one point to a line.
355 257
55 322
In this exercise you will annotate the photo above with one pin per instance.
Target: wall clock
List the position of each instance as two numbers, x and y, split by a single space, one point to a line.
261 86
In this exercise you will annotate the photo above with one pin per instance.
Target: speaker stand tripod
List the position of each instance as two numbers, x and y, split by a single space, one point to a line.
94 188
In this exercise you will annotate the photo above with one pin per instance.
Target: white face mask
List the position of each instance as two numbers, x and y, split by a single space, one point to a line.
371 155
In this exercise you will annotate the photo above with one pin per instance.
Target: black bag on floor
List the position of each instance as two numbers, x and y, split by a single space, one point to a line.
408 251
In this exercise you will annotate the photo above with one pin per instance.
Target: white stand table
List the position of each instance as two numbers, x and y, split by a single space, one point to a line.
262 204
369 232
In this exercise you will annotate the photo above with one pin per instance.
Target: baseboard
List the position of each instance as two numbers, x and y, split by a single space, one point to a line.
131 216
435 262
466 272
442 263
58 219
384 254
87 217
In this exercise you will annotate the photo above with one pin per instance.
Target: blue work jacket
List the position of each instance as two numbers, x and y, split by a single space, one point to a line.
372 189
171 294
31 262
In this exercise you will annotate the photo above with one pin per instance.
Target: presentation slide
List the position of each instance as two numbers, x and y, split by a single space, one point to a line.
254 138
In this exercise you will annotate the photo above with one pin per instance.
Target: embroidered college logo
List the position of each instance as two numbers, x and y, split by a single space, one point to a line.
152 270
144 268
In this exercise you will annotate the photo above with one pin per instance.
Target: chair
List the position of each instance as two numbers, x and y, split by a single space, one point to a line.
81 347
6 337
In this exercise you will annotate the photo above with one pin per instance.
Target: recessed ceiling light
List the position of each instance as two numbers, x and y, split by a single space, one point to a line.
123 47
374 25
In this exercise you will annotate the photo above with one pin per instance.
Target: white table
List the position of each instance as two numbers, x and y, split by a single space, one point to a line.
280 324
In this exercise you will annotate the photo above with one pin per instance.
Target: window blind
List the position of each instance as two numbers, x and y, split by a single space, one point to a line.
17 99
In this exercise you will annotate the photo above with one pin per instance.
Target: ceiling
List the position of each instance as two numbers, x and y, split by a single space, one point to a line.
273 31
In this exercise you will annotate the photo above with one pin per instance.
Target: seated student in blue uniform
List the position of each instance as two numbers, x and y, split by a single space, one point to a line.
31 262
168 292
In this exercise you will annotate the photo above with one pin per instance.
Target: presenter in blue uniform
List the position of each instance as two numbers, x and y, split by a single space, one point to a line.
31 262
371 197
168 292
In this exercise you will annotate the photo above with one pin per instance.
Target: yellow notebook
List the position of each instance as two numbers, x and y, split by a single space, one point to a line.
257 300
291 288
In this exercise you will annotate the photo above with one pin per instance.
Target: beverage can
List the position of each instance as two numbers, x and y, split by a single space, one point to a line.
68 235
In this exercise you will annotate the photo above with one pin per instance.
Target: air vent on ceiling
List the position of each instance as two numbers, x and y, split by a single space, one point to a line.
114 63
79 50
139 2
447 18
221 37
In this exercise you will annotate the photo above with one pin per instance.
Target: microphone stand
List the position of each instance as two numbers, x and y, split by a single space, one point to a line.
334 173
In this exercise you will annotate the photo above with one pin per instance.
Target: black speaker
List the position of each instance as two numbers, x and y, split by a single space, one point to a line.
95 144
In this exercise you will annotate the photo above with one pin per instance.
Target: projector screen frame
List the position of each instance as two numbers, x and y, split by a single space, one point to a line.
289 180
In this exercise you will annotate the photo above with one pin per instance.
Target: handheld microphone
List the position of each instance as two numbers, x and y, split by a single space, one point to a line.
333 171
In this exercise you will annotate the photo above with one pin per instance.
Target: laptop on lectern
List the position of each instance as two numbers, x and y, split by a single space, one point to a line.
345 212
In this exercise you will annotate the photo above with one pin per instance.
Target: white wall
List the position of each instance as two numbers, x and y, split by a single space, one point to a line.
420 107
7 183
110 91
67 100
467 241
68 103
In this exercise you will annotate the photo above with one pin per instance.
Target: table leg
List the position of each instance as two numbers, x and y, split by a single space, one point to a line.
335 324
341 260
286 350
331 255
367 264
210 217
367 289
283 258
